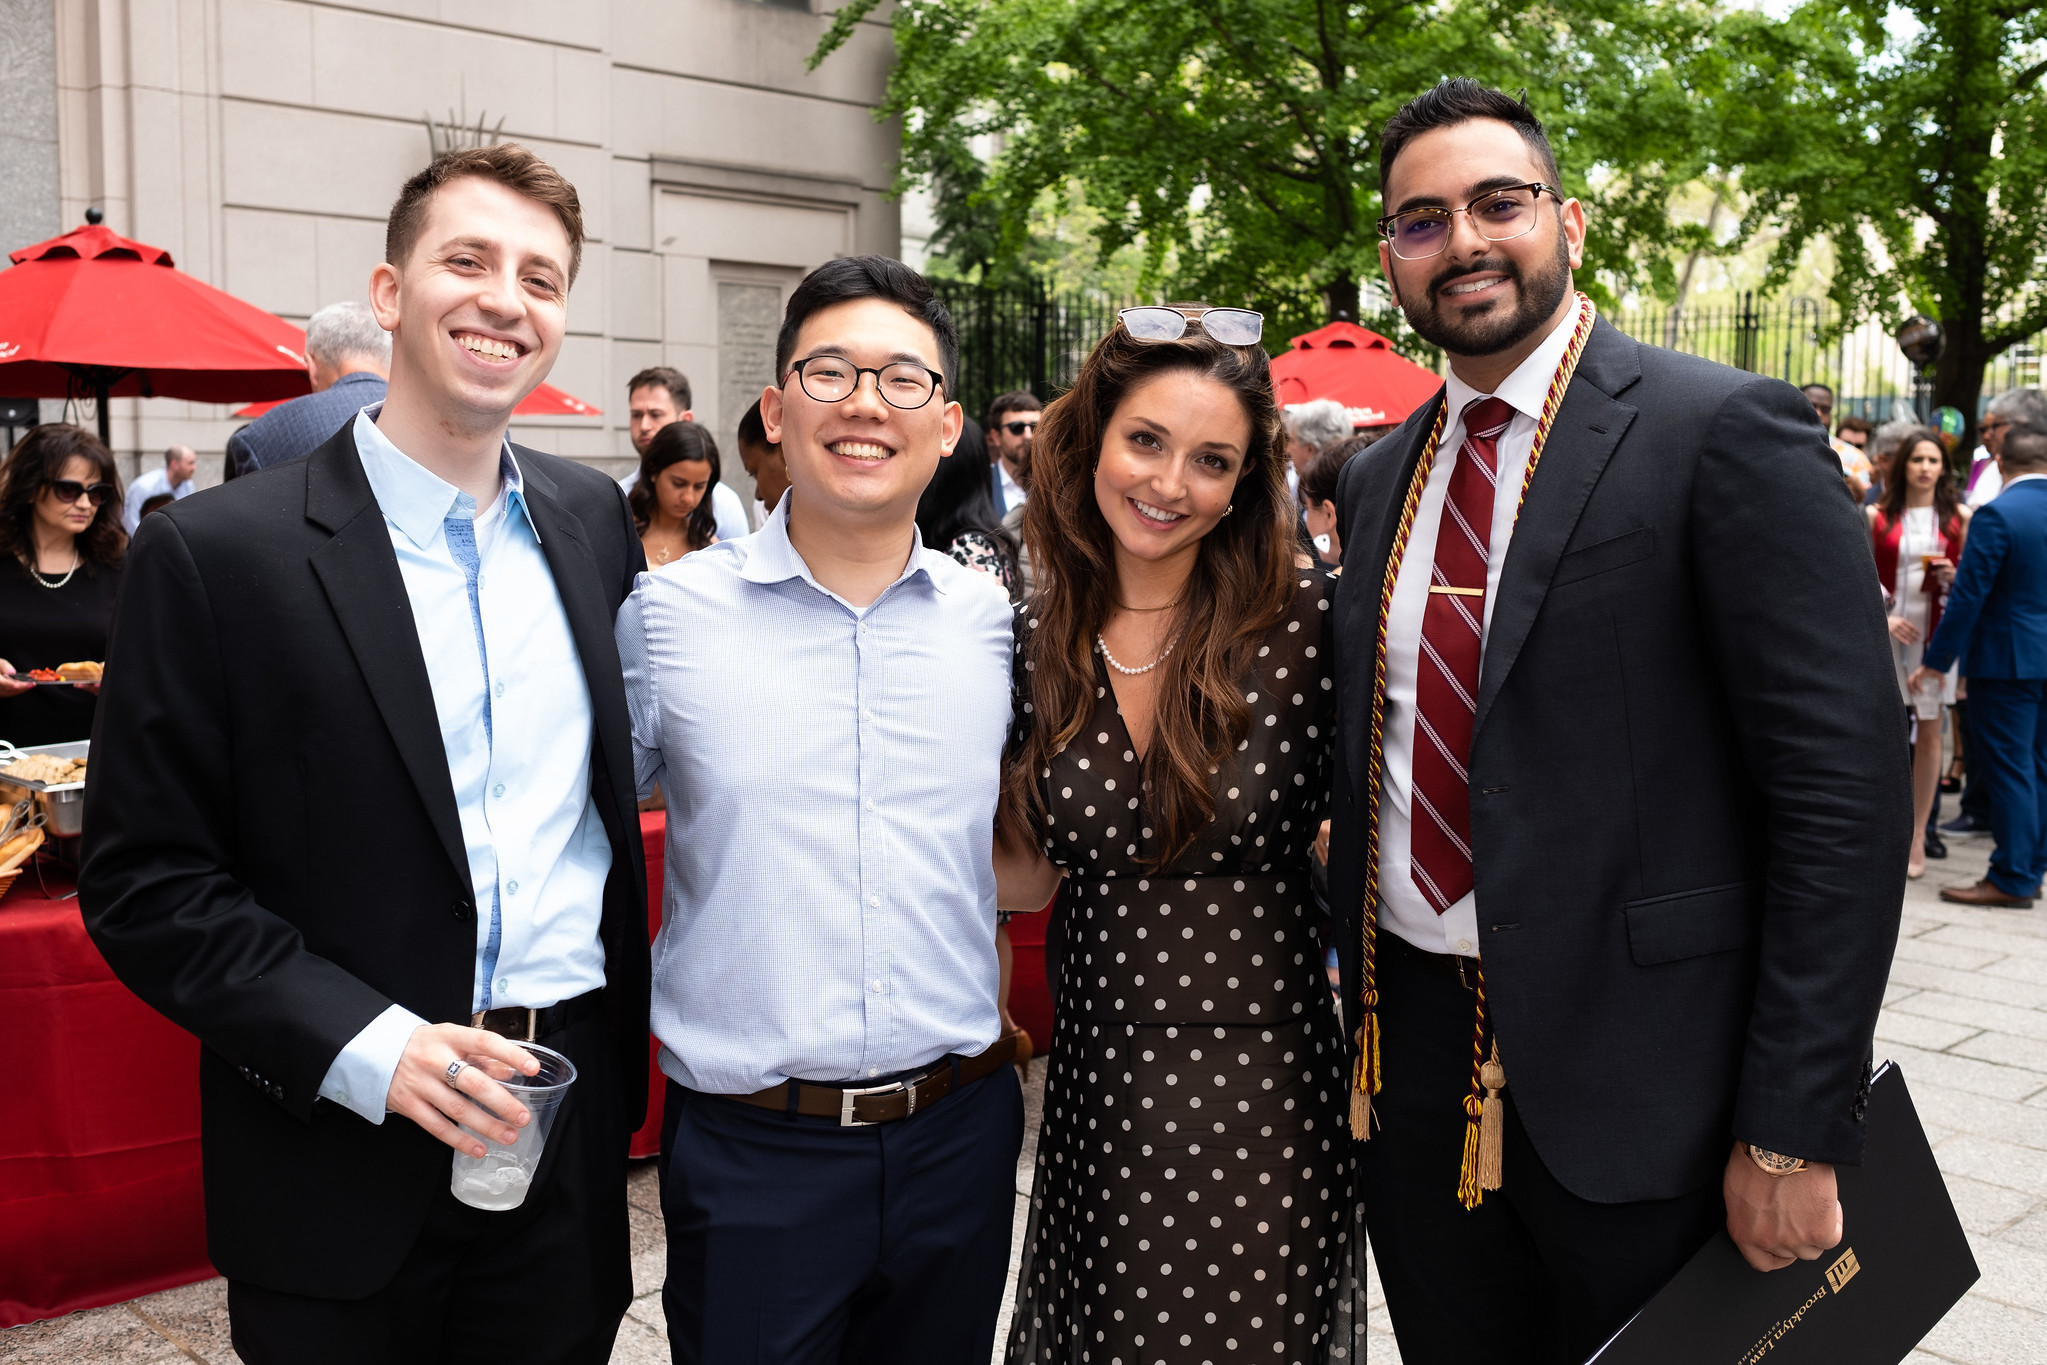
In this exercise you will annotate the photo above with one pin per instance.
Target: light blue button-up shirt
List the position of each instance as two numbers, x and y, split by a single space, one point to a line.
831 774
516 723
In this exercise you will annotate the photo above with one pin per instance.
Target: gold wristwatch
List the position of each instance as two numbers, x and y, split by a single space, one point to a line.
1774 1163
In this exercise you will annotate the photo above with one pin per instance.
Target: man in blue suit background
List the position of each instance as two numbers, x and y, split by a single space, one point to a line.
1996 623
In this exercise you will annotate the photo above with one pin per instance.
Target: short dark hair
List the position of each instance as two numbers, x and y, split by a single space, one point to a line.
752 431
2025 447
508 164
1461 100
1016 400
870 277
675 381
1318 483
1852 422
1827 389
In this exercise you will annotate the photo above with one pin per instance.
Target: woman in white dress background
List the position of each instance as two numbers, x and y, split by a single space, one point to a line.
1916 533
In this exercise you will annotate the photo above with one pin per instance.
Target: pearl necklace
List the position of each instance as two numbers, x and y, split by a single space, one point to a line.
37 574
1103 646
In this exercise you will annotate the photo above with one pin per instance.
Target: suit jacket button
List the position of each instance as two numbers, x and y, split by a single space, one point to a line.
462 911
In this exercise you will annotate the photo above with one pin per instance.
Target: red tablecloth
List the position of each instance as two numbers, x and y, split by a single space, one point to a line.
100 1196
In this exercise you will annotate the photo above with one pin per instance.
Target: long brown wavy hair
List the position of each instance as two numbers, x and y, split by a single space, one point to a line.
1946 503
1240 587
39 458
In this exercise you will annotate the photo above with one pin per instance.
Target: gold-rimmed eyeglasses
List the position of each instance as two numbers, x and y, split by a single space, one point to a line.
1498 216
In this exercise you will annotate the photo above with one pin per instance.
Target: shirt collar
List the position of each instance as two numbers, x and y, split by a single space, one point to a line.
771 558
1527 389
416 499
2021 478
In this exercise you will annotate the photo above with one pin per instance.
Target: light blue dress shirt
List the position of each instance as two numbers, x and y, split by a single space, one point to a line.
831 774
516 723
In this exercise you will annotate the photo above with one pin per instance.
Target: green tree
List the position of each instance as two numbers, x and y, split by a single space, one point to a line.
1239 138
1912 136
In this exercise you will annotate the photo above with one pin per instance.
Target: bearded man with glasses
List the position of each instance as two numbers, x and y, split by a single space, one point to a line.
1619 828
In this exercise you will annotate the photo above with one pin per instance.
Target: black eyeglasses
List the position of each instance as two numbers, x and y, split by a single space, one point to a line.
1498 215
1230 326
833 379
1018 428
71 490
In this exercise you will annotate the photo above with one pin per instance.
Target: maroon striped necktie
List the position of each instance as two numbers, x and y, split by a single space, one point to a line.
1446 681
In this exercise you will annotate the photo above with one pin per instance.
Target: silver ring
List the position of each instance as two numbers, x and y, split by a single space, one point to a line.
454 1072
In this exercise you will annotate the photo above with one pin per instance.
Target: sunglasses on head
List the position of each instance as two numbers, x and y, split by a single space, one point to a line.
71 490
1019 428
1230 326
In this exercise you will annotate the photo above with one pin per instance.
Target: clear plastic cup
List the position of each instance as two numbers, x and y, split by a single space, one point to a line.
498 1180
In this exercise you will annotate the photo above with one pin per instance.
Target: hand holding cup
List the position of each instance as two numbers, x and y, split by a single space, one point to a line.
422 1092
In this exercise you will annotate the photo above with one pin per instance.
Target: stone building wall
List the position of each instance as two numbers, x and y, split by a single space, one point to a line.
262 141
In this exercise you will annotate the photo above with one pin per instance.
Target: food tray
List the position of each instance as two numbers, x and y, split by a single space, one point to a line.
71 748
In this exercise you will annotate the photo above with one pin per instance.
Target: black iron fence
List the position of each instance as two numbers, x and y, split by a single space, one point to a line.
1036 339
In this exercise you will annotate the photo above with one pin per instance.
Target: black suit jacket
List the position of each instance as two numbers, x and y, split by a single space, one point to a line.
1690 791
272 849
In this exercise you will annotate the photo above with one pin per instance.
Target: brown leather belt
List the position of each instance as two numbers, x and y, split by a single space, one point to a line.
521 1024
860 1107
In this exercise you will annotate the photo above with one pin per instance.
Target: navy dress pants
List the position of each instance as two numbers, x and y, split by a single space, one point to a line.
794 1241
2008 734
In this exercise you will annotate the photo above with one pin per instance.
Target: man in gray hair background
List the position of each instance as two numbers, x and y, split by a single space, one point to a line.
180 463
348 358
1312 428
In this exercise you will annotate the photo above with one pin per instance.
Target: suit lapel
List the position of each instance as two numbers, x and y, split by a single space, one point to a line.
358 570
567 547
1367 548
1588 427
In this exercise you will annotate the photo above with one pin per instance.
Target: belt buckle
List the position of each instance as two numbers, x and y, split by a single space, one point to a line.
532 1021
847 1097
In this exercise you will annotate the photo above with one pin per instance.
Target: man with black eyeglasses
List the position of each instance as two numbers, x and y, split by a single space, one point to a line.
842 1125
1012 426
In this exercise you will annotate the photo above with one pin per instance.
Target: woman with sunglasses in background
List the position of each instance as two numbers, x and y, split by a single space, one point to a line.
60 529
1171 759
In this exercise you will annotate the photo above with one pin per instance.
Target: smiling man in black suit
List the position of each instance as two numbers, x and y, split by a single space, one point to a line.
362 809
1620 799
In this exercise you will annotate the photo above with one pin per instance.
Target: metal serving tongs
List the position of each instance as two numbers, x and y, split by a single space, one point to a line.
22 816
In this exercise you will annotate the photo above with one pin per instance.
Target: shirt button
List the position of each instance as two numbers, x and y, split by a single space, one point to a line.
874 1071
511 888
504 983
498 790
499 689
877 988
863 627
866 714
1463 945
482 580
874 900
870 803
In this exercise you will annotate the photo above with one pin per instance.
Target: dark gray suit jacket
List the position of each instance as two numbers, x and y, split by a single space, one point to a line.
1690 790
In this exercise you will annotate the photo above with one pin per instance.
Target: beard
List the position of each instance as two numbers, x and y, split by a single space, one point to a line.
1495 328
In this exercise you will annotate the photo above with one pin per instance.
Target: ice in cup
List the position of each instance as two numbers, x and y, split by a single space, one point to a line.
498 1180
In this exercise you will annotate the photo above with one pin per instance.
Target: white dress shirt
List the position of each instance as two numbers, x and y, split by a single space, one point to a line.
516 723
146 486
726 508
1985 484
831 774
1403 909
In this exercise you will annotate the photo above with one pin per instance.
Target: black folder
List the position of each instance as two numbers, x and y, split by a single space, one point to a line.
1902 1263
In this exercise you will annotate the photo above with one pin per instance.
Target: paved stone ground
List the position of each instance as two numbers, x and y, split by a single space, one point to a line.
1965 1016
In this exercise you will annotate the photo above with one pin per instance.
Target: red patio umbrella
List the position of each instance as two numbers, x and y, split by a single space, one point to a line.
94 314
1356 367
545 401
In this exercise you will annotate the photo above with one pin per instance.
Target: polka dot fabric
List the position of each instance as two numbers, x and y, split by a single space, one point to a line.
1194 1191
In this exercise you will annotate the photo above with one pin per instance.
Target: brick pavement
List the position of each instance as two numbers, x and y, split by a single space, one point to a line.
1965 1016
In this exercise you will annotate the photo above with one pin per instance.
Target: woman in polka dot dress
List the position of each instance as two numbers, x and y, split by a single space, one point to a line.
1193 1200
